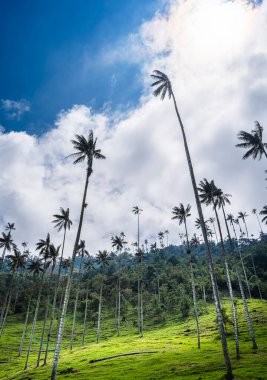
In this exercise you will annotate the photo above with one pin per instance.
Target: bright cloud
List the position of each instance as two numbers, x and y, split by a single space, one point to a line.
15 109
215 54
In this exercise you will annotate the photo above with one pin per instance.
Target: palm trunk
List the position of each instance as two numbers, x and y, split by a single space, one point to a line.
34 322
242 261
85 314
99 313
119 306
25 327
7 307
259 222
193 285
4 308
75 305
158 289
210 260
250 326
68 286
229 284
54 301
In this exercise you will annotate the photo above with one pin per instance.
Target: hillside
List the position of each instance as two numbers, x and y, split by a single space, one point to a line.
166 352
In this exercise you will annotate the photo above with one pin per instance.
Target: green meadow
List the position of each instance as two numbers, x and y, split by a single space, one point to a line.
168 351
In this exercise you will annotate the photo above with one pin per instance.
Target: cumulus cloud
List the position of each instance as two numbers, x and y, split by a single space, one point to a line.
15 109
215 54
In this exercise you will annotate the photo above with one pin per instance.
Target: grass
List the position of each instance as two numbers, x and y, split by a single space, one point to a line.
174 343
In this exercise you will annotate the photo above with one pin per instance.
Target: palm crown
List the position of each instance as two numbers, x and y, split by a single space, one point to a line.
118 241
181 212
253 142
86 149
163 84
17 260
264 212
136 210
62 220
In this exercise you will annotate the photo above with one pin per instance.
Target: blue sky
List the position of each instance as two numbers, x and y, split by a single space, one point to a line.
52 57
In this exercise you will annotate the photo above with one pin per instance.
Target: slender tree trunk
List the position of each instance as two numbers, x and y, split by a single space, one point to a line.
250 326
68 286
34 323
119 306
75 305
210 261
25 327
141 305
16 300
259 222
4 308
229 283
85 314
7 307
99 313
60 307
193 284
54 301
158 286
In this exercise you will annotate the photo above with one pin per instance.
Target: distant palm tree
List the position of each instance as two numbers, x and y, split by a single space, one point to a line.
243 216
6 242
253 142
139 255
102 259
211 195
181 213
212 220
230 218
166 232
10 227
62 221
254 212
86 150
161 237
118 242
137 211
88 266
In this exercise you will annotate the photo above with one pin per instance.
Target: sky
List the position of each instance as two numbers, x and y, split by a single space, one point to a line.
73 66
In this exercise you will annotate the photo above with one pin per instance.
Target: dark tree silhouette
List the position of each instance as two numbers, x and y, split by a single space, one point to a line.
253 142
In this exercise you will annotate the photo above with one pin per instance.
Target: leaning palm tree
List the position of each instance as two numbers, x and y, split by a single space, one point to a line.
163 87
85 151
102 259
230 218
210 195
137 211
181 213
243 215
253 142
118 242
62 221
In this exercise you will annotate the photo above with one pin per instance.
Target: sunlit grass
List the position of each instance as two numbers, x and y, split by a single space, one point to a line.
174 346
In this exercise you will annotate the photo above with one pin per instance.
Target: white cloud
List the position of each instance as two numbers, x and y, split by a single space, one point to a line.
215 55
15 109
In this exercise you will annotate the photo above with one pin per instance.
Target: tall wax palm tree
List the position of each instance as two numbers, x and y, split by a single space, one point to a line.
36 267
88 266
139 255
210 195
230 218
212 220
253 142
82 252
163 87
137 211
6 242
10 227
222 199
102 259
243 215
166 233
254 212
62 221
161 238
85 151
181 213
17 262
51 259
118 242
264 212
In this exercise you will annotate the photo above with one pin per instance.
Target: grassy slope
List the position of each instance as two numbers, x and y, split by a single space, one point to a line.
176 354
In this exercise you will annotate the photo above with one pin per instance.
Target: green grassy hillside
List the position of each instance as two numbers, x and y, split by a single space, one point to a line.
168 352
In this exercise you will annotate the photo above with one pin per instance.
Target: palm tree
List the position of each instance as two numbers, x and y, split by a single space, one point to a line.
254 212
210 194
243 216
10 227
118 242
163 87
82 252
253 142
102 259
88 266
6 242
231 219
86 150
17 262
212 220
139 255
62 221
181 213
166 232
137 211
36 267
161 237
52 257
264 212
